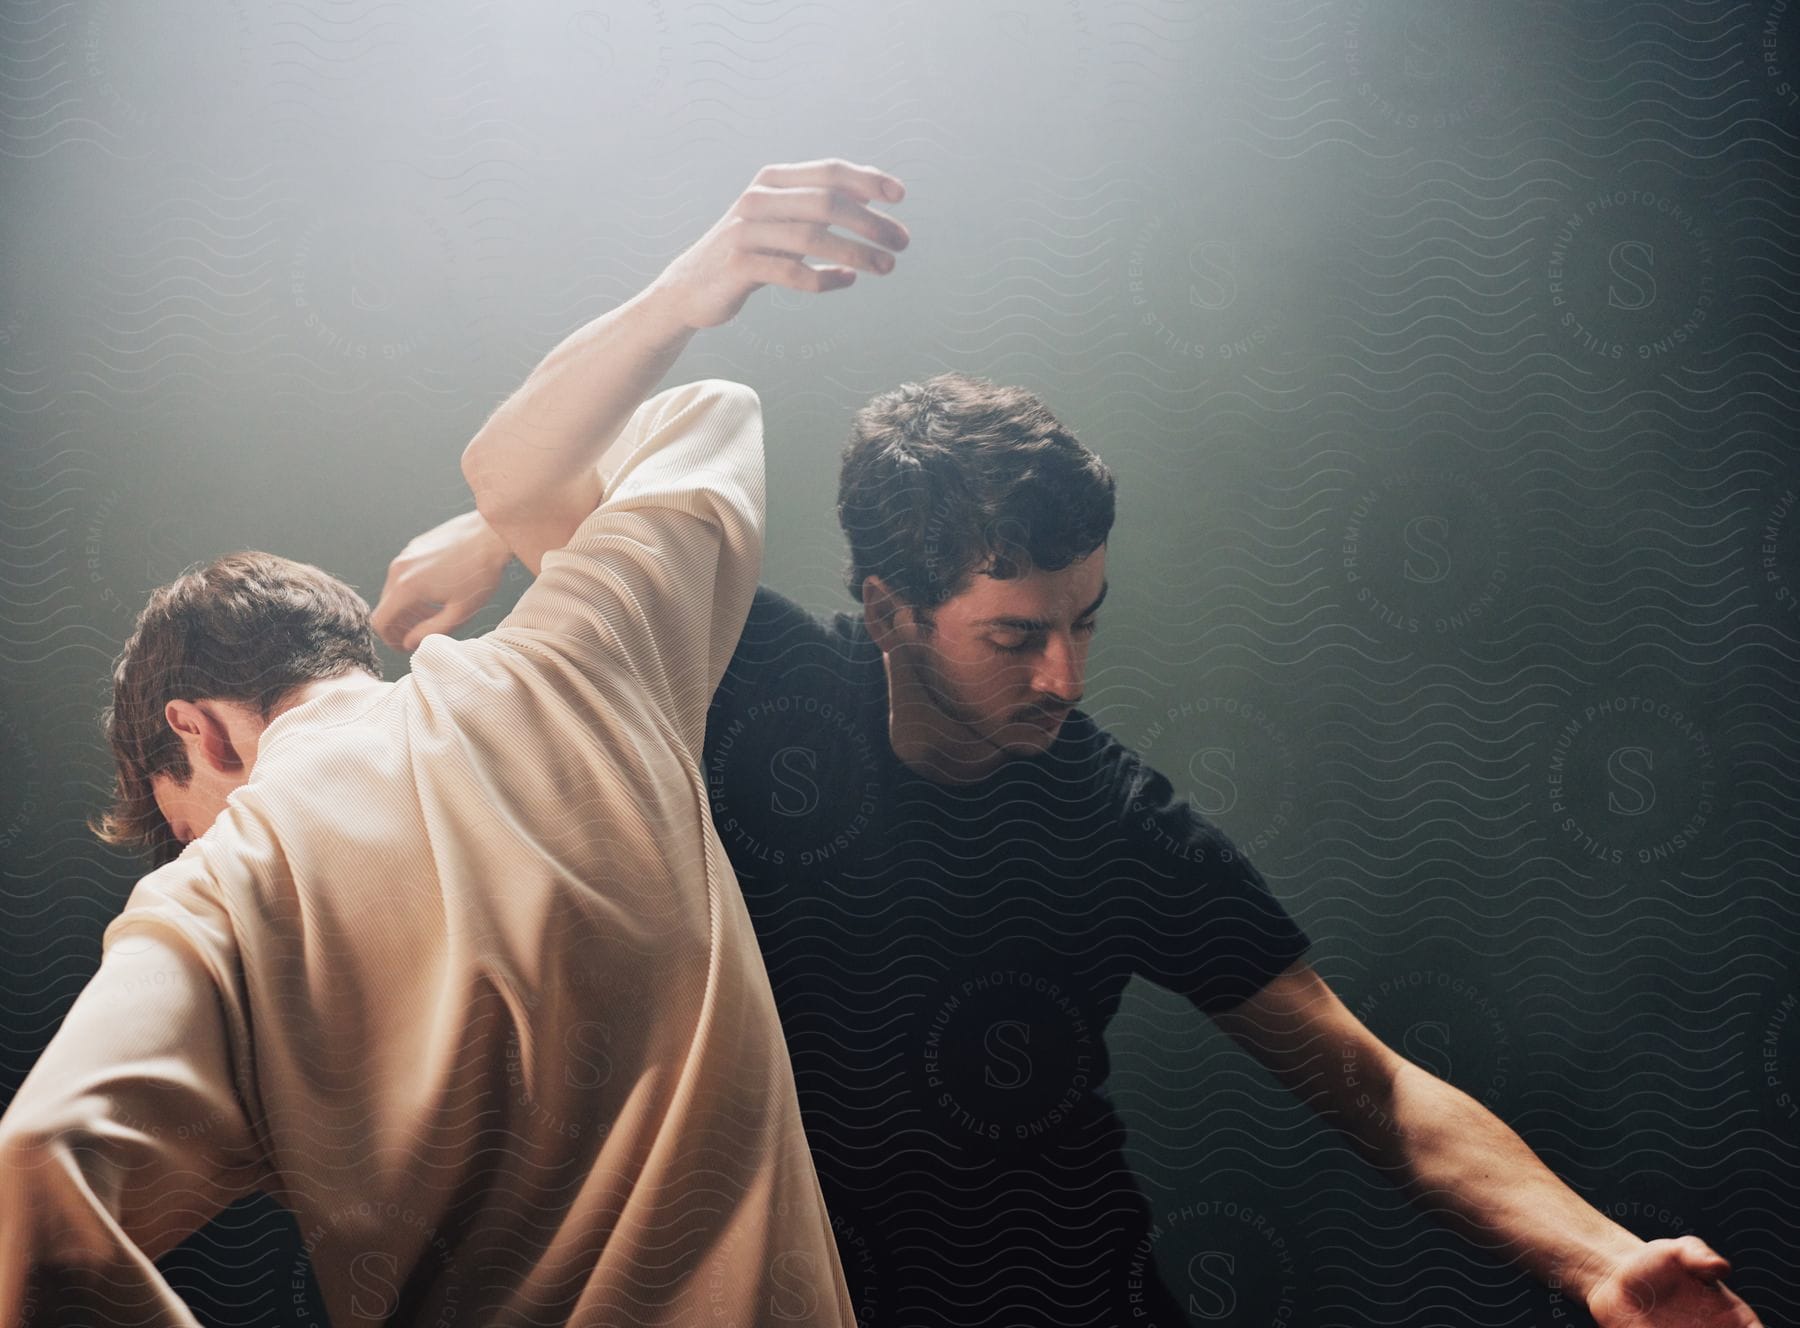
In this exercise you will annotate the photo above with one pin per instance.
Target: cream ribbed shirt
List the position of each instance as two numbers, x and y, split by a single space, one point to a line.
462 975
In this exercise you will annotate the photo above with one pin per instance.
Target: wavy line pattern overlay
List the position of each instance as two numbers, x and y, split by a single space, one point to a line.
1448 357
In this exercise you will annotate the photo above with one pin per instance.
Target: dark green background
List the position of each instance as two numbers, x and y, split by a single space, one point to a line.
1446 356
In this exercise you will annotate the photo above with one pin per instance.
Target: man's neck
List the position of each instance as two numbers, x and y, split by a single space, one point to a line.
248 733
354 681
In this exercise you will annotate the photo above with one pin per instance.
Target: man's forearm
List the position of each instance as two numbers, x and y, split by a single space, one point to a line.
1466 1165
534 466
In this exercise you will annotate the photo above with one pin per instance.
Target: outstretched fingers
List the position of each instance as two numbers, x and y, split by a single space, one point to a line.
807 226
864 182
812 239
774 269
825 206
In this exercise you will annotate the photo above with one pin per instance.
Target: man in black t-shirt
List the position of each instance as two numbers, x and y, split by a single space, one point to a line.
946 957
953 872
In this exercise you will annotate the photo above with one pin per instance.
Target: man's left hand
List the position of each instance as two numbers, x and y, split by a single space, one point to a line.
1669 1284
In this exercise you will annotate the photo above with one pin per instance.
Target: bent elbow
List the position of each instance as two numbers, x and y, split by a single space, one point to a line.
478 473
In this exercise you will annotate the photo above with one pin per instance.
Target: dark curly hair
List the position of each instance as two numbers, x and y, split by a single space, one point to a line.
957 477
247 627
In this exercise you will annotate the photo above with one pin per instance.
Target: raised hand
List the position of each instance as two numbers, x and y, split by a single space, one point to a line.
532 465
788 215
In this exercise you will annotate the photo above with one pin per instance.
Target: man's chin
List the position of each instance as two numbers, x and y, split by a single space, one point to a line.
1028 737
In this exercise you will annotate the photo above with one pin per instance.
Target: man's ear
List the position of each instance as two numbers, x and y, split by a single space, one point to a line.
892 622
202 729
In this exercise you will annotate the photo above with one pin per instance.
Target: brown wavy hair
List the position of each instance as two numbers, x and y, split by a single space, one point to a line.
955 476
247 627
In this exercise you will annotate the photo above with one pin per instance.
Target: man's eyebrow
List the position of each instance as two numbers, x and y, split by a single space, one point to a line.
1040 624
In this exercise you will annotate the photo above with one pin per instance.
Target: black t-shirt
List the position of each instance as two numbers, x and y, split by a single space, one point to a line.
945 960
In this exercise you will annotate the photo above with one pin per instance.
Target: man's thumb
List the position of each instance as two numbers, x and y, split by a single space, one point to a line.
1702 1258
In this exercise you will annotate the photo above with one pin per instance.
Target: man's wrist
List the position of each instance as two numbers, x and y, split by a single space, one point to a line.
1599 1264
660 310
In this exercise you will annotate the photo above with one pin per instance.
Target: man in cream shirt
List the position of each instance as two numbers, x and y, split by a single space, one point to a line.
456 967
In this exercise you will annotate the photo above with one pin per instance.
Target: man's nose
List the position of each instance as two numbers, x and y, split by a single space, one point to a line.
1059 670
